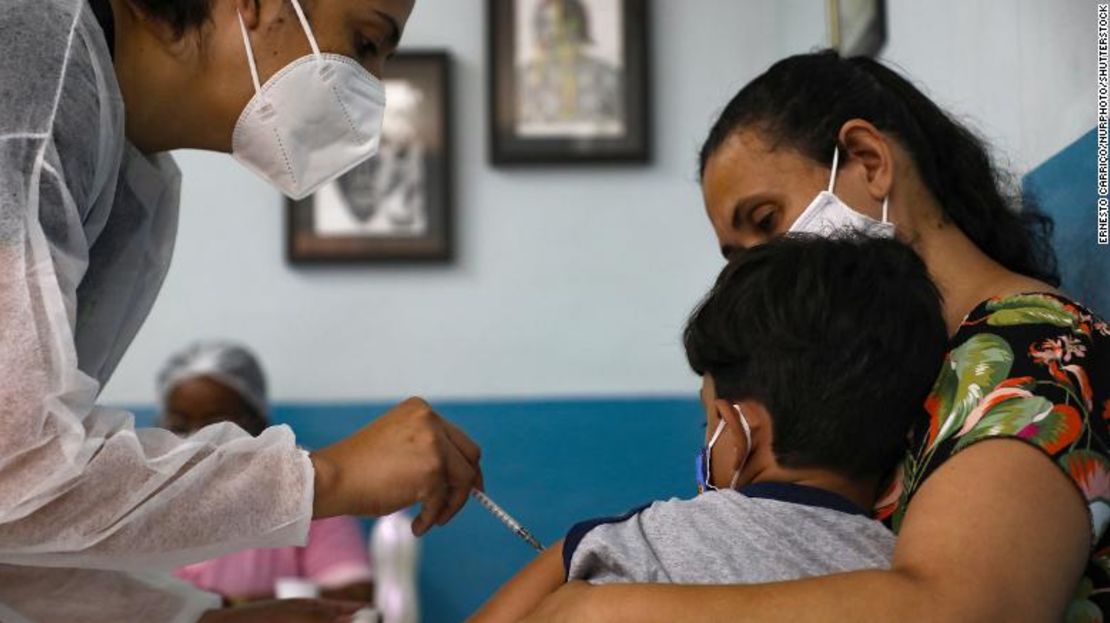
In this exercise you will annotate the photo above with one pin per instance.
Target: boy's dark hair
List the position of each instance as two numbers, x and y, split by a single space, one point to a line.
840 339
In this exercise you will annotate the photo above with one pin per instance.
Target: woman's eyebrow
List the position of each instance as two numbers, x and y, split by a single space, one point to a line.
394 38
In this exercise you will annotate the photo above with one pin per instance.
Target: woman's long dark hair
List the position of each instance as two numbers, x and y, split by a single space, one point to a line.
802 101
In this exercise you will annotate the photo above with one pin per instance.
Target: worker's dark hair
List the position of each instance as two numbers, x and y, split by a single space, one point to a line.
840 339
801 102
181 15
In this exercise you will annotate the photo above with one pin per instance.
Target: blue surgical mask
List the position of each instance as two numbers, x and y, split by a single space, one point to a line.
704 463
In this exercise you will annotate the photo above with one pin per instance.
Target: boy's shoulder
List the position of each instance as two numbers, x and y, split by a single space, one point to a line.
770 500
783 524
774 507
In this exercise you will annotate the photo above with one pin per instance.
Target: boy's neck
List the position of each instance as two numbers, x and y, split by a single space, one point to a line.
861 492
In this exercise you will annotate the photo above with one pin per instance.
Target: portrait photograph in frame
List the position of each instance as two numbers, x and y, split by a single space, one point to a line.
569 81
396 206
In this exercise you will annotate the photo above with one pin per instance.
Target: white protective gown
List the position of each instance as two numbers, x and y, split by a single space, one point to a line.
94 512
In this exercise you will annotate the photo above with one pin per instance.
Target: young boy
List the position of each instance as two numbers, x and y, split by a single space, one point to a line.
816 356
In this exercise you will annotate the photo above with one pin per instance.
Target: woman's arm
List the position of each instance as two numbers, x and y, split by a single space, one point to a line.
520 595
998 533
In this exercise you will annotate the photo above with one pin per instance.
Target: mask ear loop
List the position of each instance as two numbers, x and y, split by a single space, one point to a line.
709 455
748 438
250 54
835 162
307 29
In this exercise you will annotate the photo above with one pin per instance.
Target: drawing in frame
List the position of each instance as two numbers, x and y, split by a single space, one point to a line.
397 206
569 81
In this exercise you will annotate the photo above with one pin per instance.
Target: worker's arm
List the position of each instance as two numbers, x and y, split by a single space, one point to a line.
998 533
520 595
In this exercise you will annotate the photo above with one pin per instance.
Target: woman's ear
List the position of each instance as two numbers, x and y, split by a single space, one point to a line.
251 10
868 147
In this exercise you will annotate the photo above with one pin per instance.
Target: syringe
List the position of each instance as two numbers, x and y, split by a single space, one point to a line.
506 519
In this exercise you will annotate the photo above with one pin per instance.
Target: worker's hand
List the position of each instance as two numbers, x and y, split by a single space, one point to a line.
408 455
285 611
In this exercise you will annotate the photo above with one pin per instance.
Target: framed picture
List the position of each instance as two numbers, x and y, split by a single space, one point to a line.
569 81
857 27
397 205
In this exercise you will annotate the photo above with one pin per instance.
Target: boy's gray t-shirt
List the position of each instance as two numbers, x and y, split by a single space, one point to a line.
763 533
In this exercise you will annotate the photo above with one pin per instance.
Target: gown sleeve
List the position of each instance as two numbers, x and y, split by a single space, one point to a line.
30 594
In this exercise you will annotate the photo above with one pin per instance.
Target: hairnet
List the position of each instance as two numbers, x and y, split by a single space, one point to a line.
228 363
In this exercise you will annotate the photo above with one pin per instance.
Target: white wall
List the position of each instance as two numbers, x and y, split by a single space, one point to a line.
1022 71
571 281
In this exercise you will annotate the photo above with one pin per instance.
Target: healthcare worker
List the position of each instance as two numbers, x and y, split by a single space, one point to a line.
94 512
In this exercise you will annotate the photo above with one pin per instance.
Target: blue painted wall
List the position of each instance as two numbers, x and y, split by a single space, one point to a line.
1065 185
549 463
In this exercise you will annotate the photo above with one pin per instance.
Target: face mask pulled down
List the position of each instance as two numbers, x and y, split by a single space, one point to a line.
311 122
827 215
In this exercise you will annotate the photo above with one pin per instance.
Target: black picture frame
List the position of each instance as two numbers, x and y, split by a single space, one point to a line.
857 27
316 231
509 146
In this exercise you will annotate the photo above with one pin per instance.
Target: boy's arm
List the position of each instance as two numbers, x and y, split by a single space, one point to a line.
521 594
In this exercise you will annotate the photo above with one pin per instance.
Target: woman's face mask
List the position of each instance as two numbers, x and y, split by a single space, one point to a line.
704 459
827 214
311 122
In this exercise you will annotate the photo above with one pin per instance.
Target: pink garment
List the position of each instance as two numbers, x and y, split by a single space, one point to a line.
335 556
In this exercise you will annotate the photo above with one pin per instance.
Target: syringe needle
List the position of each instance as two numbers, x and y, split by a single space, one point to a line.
506 519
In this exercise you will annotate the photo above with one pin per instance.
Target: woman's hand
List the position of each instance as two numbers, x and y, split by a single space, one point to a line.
408 455
284 611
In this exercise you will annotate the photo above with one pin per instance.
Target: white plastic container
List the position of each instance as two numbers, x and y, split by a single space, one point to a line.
295 588
395 555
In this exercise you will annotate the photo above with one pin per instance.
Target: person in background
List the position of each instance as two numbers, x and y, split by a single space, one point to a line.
212 382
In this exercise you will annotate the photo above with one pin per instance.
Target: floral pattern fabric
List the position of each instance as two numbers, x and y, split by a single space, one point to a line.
1034 367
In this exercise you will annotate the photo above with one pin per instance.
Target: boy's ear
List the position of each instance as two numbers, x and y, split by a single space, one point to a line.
727 412
754 413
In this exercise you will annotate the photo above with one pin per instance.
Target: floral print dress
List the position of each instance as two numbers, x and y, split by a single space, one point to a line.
1034 367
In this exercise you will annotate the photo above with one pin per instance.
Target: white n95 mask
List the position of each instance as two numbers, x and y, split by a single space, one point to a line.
314 120
827 214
